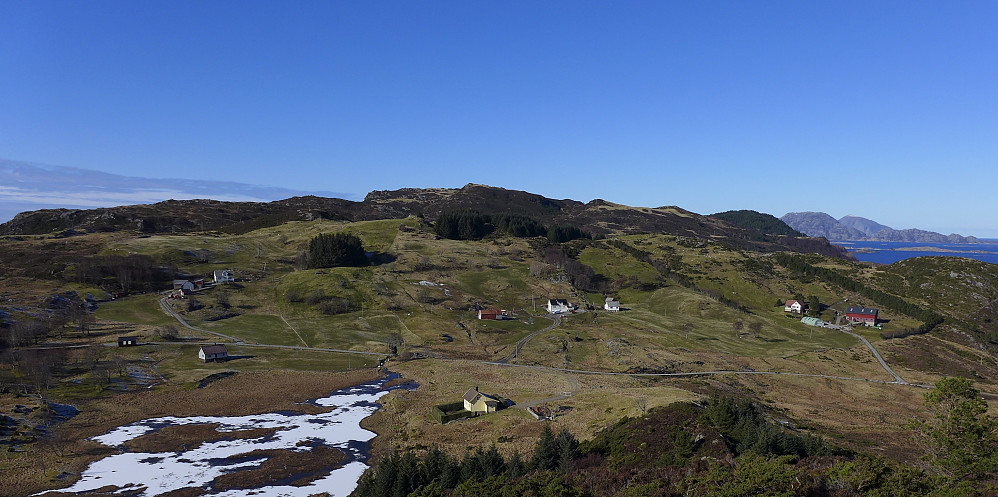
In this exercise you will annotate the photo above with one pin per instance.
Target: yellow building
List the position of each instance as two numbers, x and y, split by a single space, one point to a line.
476 401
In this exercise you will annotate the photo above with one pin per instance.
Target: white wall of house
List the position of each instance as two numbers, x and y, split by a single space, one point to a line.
555 307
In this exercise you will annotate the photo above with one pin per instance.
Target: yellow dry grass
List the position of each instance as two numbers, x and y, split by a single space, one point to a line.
595 402
865 416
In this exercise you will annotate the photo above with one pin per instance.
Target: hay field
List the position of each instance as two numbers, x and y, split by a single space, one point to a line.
594 402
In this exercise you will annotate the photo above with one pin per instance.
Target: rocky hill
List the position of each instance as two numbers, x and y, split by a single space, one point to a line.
916 235
597 217
867 226
854 228
821 224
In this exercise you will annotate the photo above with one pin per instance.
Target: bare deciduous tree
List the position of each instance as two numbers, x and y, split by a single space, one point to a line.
394 341
168 332
738 325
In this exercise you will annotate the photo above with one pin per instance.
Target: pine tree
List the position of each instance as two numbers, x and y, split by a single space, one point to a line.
492 462
568 449
515 468
546 451
964 437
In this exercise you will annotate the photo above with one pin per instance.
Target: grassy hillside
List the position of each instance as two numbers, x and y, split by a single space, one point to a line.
691 304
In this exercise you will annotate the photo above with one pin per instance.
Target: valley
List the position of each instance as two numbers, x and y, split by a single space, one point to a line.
702 314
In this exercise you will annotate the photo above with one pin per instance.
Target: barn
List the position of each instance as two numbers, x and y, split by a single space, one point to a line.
489 314
863 315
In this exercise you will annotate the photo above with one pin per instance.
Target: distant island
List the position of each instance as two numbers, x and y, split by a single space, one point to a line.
855 228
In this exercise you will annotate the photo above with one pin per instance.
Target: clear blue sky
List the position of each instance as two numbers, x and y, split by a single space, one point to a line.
886 110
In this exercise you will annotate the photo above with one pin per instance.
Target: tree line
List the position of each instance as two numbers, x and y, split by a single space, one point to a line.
123 273
469 224
334 250
403 474
764 223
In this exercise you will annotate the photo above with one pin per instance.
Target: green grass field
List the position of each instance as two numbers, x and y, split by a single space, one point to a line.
139 309
282 305
255 328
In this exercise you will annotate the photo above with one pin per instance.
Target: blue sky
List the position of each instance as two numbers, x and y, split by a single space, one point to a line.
886 110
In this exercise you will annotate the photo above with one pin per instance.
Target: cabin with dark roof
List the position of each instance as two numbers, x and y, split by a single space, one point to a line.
128 341
215 352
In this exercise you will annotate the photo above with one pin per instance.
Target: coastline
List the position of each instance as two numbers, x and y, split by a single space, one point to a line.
881 252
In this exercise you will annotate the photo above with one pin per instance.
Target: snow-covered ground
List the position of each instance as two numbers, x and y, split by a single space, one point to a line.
161 472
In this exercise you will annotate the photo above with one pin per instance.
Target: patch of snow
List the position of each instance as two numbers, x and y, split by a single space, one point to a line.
159 473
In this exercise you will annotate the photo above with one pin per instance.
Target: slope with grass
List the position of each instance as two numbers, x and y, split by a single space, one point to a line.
691 303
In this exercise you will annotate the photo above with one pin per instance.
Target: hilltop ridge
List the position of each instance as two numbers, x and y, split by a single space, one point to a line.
598 217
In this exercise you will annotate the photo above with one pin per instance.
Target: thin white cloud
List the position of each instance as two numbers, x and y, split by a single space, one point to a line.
110 198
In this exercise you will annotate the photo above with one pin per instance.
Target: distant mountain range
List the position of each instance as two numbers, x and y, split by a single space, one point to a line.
854 228
28 186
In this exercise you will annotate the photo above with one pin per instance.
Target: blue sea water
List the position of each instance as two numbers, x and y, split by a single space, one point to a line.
891 252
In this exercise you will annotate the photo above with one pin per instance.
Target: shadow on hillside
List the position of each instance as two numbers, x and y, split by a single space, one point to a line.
233 357
380 258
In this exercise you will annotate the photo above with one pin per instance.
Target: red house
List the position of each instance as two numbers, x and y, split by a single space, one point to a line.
862 315
489 314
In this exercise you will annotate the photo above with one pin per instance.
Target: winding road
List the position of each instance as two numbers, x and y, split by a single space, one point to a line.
897 379
556 322
169 310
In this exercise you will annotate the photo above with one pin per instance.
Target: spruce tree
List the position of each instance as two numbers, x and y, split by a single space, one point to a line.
546 451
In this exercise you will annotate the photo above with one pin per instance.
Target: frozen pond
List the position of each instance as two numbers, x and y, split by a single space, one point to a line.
159 473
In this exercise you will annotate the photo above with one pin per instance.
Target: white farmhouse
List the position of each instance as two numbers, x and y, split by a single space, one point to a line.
611 305
215 352
557 306
794 306
224 276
